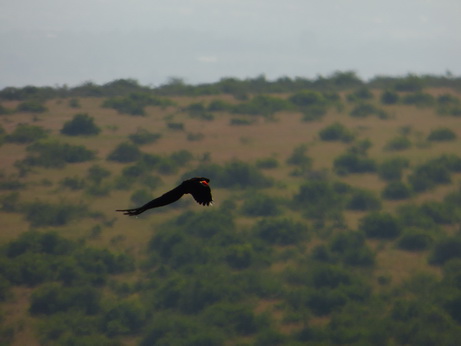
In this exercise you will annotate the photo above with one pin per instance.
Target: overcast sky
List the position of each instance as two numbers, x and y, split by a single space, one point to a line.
56 42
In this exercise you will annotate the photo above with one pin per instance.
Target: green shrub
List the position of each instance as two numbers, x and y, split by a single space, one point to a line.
429 174
125 152
362 93
336 132
353 163
80 125
419 99
96 173
135 103
262 105
380 225
73 183
52 298
389 97
318 199
363 110
445 250
442 134
257 204
143 136
414 240
56 154
398 143
268 163
396 190
363 200
41 214
24 133
32 106
281 231
392 168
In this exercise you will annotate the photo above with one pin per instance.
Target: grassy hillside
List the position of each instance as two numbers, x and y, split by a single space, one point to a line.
336 218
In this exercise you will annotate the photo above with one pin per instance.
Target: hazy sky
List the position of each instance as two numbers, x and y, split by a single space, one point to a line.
55 42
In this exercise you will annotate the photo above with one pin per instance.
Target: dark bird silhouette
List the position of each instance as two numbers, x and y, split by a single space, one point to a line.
197 187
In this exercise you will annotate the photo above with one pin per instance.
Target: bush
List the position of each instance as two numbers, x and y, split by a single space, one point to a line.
143 136
445 250
336 132
442 134
73 183
257 204
398 143
299 157
281 231
96 173
24 133
81 124
125 152
392 168
318 199
268 163
380 225
41 214
56 154
308 99
124 318
262 105
135 102
363 110
396 190
53 298
389 97
419 99
353 163
362 93
414 240
363 200
32 106
429 174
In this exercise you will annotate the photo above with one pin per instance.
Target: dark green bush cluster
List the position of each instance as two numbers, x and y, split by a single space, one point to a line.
433 172
364 109
135 103
360 94
336 132
419 99
353 163
441 134
80 125
144 136
35 258
199 111
56 154
262 105
398 143
31 106
41 214
25 134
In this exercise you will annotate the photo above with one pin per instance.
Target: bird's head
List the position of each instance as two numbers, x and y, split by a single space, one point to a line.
204 182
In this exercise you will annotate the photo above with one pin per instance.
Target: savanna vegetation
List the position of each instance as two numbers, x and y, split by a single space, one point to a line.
336 218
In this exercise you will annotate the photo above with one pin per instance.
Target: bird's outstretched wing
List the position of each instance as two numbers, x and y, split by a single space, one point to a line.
197 187
200 190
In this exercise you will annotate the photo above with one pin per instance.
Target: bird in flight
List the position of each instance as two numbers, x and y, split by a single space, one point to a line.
199 188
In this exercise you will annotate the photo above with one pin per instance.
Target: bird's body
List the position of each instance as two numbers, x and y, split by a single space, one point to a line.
197 187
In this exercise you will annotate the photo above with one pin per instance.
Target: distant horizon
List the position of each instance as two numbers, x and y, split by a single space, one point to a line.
447 74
